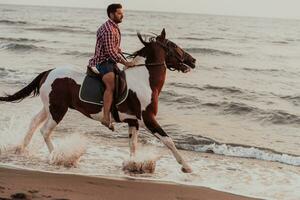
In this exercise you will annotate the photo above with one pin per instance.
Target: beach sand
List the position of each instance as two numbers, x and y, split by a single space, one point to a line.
25 184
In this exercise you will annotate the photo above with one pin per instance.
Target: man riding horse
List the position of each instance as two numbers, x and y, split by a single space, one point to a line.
107 55
59 88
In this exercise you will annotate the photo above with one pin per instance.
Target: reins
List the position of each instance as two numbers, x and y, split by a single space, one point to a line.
129 55
169 51
139 65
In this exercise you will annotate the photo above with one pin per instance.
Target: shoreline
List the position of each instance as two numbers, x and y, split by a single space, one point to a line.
28 184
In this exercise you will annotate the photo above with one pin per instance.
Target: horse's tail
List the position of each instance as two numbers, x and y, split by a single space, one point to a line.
33 87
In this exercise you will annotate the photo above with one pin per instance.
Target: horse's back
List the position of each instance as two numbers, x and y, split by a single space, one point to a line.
61 76
66 72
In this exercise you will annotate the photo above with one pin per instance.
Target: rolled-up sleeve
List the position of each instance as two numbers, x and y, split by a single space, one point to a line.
111 48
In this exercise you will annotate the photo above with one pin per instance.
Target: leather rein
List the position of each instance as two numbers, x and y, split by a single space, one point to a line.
168 52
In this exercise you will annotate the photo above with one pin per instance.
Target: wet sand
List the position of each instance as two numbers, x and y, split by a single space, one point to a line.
25 184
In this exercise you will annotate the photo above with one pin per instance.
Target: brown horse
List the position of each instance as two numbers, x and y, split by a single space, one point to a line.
59 90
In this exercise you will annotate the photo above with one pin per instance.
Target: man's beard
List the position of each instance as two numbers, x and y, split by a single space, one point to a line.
117 21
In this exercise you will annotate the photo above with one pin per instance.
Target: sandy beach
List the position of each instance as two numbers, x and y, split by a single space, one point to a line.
25 184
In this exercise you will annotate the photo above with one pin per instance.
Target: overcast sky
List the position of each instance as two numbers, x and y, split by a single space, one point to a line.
260 8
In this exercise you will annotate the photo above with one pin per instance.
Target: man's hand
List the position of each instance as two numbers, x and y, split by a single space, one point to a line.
128 65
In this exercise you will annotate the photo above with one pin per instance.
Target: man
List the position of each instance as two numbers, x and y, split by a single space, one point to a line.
107 55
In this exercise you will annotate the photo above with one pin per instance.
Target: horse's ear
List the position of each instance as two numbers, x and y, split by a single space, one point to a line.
163 34
141 38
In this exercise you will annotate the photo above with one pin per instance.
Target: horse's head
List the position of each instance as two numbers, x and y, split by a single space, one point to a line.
175 57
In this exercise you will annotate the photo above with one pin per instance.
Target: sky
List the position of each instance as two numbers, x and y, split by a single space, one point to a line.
258 8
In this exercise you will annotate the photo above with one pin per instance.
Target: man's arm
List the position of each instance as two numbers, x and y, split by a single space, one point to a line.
113 52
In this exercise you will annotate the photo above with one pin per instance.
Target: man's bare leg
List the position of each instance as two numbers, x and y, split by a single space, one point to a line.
109 81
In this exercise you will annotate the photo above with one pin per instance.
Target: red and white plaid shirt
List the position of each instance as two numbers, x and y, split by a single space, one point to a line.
108 44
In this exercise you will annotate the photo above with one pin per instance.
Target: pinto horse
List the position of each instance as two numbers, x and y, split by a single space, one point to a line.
59 91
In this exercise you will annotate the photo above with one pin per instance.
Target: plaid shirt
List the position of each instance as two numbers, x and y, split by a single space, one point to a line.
108 44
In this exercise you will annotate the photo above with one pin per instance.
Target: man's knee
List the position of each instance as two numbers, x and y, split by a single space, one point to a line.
109 81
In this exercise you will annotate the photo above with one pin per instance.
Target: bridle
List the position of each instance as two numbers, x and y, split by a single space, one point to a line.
168 46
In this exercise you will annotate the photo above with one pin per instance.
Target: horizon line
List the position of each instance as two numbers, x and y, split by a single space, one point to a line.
138 10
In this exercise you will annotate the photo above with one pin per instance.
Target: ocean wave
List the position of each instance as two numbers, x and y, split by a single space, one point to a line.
8 39
198 143
238 108
277 117
8 10
15 77
292 40
183 101
11 22
3 72
186 86
262 70
295 99
78 53
21 47
201 39
227 90
211 51
244 152
66 29
281 118
280 42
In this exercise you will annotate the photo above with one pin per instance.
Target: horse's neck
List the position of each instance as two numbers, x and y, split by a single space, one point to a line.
154 76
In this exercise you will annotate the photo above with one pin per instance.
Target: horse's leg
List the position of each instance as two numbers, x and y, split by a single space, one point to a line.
155 128
46 131
133 139
35 122
56 114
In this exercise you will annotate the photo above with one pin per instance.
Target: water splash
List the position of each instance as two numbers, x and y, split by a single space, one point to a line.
9 135
69 151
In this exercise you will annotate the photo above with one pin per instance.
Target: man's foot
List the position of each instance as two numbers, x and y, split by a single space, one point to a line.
108 124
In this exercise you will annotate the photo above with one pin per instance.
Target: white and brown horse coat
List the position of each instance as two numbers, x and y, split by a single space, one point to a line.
59 90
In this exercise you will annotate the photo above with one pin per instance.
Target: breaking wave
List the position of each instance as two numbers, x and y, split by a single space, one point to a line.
199 143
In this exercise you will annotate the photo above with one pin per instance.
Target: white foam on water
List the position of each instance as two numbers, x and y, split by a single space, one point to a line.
10 136
247 177
147 153
68 150
245 152
143 162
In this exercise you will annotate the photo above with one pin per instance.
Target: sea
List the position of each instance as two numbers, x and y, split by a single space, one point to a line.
235 117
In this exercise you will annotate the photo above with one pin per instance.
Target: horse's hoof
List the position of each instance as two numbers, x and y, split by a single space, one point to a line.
186 170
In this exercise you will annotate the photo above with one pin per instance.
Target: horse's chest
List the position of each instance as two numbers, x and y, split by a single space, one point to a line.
138 83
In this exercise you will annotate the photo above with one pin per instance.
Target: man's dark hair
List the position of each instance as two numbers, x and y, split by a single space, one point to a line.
112 8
